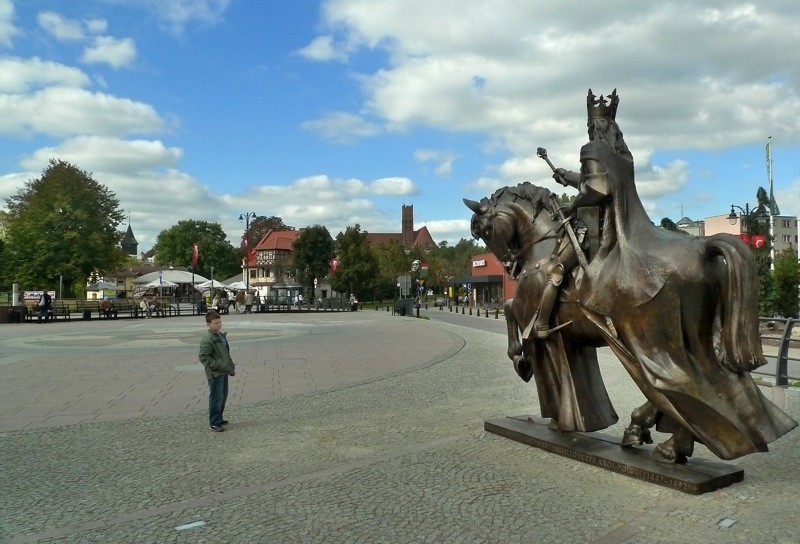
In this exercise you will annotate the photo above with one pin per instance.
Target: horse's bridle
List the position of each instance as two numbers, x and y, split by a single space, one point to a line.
511 258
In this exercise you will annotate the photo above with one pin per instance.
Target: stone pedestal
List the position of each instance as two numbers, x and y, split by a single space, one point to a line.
695 477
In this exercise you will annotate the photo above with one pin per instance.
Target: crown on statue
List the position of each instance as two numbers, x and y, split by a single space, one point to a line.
602 108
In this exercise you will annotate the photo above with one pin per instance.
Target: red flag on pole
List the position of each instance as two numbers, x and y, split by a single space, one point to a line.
758 240
194 254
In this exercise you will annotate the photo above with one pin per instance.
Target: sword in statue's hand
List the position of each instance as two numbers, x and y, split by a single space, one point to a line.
542 153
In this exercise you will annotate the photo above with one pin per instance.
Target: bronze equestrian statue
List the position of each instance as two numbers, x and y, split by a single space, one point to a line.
680 312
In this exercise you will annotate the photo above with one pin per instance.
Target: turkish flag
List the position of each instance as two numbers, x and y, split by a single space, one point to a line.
334 266
194 254
758 240
745 238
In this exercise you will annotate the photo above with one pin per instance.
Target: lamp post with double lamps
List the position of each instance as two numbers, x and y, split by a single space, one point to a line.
732 218
246 216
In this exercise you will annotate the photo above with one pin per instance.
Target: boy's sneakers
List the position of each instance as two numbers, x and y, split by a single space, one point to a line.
217 428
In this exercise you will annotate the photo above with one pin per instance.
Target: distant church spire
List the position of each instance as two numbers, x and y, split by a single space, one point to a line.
129 244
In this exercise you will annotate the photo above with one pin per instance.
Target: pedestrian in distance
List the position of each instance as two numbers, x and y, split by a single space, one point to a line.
215 356
45 307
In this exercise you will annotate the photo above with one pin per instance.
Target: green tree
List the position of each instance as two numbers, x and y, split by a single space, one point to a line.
311 255
757 224
63 224
174 246
358 266
669 224
787 281
392 261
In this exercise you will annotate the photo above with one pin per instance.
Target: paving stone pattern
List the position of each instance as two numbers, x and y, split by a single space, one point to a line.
353 427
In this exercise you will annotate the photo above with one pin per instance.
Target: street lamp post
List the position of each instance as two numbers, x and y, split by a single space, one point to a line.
745 218
246 216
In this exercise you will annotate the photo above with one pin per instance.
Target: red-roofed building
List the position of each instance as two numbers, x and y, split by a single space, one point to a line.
270 258
408 238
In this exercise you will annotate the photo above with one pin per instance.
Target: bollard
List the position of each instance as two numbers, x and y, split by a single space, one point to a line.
496 313
487 312
470 310
462 310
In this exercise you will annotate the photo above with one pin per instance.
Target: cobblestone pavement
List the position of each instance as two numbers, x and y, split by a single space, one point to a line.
392 450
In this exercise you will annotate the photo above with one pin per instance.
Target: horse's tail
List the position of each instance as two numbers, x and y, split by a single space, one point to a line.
739 341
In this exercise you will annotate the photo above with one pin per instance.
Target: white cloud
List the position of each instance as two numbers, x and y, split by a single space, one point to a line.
394 187
112 51
342 127
517 72
65 111
451 230
444 160
20 75
175 15
62 29
322 48
7 28
96 26
102 154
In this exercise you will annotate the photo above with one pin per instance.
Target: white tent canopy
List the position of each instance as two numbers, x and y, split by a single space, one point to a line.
160 283
102 285
206 285
174 276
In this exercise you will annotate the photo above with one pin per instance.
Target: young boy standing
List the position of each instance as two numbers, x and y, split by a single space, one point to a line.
215 355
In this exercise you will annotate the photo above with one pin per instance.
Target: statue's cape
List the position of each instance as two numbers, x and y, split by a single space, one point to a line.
631 265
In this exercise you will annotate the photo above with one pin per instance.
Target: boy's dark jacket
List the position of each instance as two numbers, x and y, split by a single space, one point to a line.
215 356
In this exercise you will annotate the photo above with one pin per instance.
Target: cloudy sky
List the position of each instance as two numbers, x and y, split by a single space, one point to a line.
337 112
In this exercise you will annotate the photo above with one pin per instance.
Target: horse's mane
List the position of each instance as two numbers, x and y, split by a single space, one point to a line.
524 191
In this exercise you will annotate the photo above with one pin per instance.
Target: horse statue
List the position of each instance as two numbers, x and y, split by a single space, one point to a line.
688 344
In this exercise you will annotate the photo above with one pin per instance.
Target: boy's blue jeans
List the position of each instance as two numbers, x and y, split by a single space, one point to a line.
217 395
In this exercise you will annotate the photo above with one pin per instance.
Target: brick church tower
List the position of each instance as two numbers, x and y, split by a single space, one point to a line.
408 226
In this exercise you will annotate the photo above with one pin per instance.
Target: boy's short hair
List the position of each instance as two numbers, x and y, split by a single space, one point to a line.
212 315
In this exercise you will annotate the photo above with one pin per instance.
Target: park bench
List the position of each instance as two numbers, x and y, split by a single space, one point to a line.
60 309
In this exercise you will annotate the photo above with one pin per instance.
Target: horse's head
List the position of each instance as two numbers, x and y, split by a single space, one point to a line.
507 222
497 228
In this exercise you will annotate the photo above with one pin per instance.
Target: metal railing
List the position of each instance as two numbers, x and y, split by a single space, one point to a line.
782 328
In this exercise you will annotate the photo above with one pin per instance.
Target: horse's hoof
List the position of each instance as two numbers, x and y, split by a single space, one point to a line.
636 435
523 368
665 453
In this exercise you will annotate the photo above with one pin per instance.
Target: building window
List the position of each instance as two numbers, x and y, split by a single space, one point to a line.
787 223
786 238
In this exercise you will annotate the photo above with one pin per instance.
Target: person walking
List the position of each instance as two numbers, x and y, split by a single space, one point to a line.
248 302
215 356
45 307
